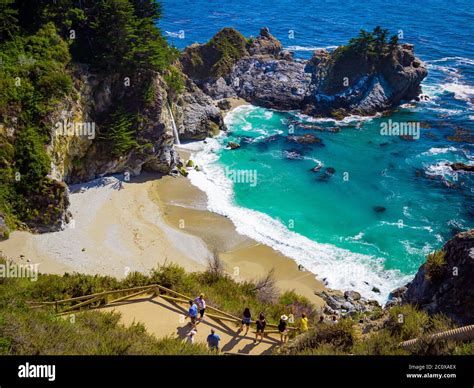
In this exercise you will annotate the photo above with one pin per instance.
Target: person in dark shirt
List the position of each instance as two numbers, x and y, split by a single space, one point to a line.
246 319
282 328
261 323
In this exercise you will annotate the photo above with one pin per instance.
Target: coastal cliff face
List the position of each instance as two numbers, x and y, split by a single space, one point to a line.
444 283
350 80
78 157
194 113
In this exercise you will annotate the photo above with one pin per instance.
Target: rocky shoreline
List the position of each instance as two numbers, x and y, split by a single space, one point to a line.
346 81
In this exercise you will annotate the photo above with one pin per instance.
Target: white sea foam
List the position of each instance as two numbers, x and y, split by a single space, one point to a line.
459 60
268 114
308 48
441 169
238 114
425 250
341 268
439 150
461 91
400 225
173 34
346 120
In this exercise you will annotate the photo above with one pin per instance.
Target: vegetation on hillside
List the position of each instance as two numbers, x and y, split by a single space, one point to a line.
401 323
435 264
374 44
216 57
24 330
362 55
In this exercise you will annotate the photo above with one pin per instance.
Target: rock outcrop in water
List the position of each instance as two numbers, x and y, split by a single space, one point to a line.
351 79
448 288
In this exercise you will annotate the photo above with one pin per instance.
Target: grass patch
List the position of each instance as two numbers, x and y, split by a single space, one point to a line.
27 331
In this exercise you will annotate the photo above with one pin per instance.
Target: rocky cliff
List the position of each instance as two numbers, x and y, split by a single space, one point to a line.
351 79
444 283
195 115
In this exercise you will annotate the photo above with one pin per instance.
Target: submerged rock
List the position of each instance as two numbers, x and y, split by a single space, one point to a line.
305 139
232 145
462 167
328 173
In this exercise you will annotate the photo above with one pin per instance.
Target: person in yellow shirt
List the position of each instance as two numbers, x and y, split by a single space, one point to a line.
304 323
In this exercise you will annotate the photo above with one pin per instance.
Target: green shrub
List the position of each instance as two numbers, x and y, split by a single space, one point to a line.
121 132
89 333
174 79
339 336
464 349
406 322
380 343
435 264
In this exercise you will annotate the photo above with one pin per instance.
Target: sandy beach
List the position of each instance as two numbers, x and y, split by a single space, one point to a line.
116 229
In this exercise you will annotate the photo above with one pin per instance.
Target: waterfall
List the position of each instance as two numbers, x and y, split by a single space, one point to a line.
173 126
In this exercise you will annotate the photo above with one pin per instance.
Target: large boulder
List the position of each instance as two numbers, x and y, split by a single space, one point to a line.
448 288
196 115
265 44
349 81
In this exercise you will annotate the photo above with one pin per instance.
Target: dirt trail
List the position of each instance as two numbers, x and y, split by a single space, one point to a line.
163 318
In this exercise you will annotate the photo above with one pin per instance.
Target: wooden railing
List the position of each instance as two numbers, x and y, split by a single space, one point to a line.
101 300
465 333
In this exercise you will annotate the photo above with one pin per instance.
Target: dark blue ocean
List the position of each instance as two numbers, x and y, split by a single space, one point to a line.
330 226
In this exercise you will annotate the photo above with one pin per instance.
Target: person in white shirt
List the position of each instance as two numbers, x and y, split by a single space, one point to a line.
201 305
190 336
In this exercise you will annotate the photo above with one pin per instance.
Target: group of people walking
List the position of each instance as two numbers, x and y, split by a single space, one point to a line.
197 309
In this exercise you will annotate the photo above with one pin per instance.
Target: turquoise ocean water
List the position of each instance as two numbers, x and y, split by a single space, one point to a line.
330 224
